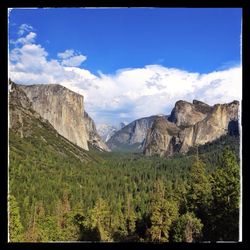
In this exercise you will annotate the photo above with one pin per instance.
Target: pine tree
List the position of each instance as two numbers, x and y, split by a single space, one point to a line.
15 225
129 215
187 228
100 219
163 213
226 198
199 190
118 223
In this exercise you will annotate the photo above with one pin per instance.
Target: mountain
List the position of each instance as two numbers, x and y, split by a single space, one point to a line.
106 131
121 125
64 109
93 137
132 136
191 124
32 136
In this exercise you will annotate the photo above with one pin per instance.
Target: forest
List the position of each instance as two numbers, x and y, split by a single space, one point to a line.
124 197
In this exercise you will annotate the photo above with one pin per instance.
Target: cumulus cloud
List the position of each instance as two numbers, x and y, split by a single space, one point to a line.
29 38
71 58
66 54
24 28
128 94
74 61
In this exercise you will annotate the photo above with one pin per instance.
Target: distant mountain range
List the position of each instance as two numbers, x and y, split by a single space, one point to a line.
106 131
188 125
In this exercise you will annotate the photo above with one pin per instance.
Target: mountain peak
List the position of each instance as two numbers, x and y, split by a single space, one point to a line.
197 123
64 110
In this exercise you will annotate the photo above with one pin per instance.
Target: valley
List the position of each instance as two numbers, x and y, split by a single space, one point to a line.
67 185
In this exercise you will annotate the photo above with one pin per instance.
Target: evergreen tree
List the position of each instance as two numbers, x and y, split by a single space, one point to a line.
226 199
15 225
118 223
100 219
199 190
163 213
187 228
129 214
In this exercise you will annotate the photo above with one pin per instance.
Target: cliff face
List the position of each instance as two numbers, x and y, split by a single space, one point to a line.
197 124
218 122
106 131
159 139
21 112
185 114
133 134
93 136
62 108
26 123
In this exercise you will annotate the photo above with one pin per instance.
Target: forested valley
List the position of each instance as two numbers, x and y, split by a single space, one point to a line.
57 196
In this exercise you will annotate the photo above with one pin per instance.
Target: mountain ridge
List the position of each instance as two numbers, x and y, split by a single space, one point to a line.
187 125
198 123
131 134
64 109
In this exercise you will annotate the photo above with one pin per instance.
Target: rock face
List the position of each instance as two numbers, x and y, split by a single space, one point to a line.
93 137
62 107
21 112
160 138
25 122
106 131
132 135
185 114
196 124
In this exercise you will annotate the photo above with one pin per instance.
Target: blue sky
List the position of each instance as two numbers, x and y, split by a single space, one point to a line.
98 49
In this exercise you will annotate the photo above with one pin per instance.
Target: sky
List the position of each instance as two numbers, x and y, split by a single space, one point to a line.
129 63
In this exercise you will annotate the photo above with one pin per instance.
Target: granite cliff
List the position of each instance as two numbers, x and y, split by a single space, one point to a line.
37 135
132 136
64 109
93 137
191 124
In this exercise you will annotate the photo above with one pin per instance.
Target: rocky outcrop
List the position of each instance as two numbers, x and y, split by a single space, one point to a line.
160 138
132 135
62 107
218 122
186 114
20 111
25 122
197 123
93 137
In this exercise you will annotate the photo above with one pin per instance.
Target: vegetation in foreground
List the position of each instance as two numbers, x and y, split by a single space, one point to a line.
122 197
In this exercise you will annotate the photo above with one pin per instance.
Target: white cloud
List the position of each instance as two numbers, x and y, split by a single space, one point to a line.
24 28
66 54
74 61
28 39
71 59
129 93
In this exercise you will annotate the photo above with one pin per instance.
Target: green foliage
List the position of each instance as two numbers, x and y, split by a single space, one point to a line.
100 220
15 225
58 187
199 190
226 198
163 213
162 216
187 228
129 215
